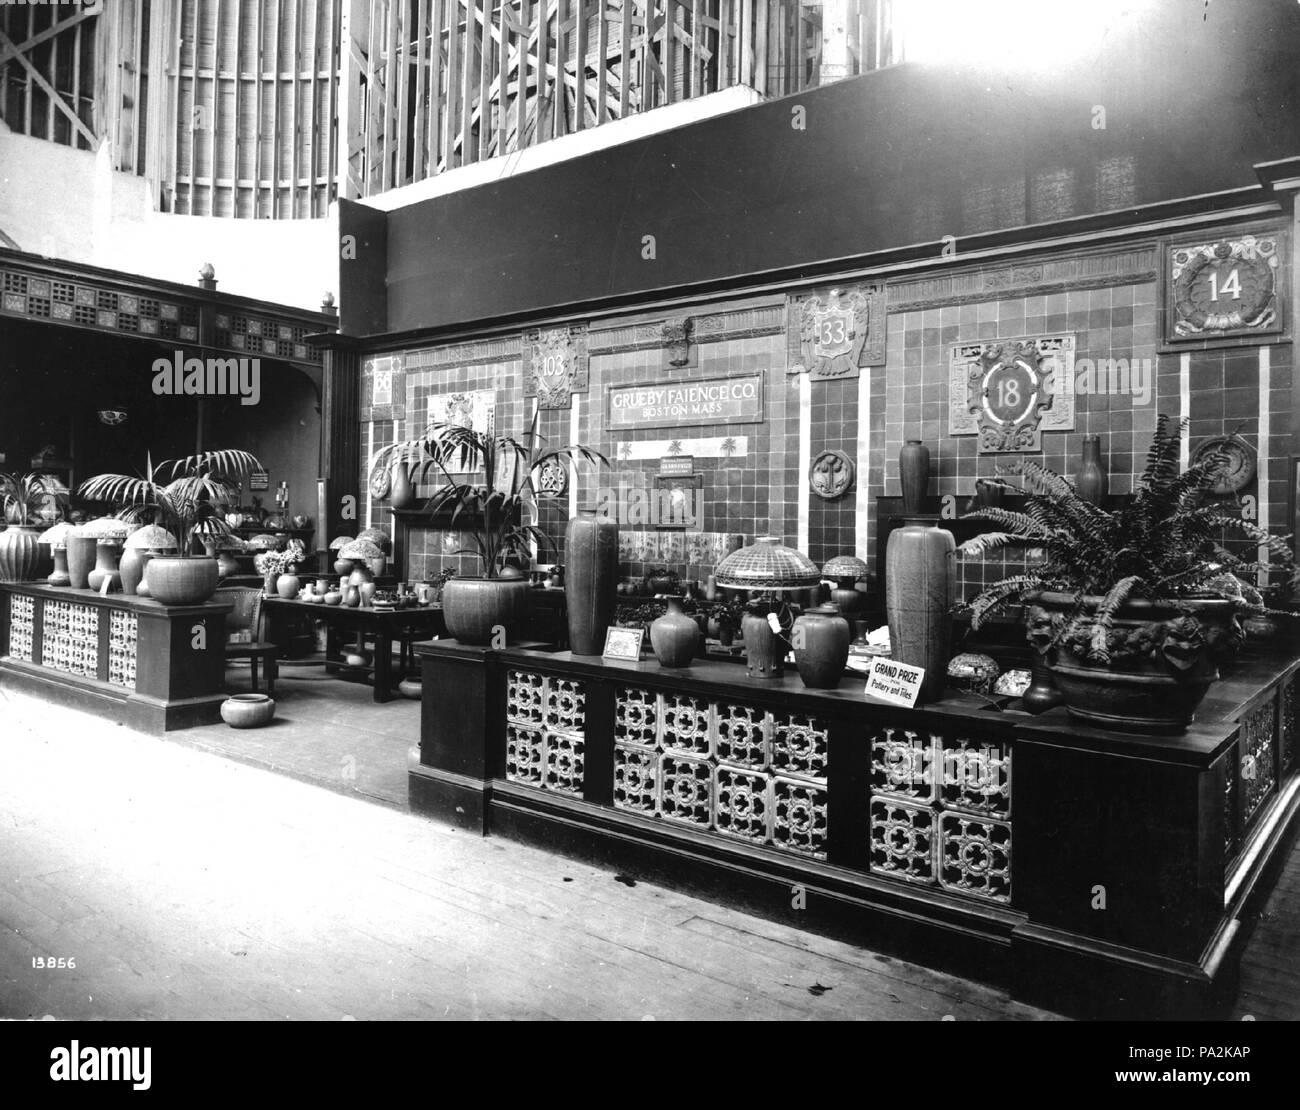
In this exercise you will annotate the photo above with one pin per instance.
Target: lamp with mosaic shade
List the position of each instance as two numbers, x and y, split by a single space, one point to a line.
772 569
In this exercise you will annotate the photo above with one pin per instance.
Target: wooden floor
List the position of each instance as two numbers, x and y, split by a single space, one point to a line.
187 885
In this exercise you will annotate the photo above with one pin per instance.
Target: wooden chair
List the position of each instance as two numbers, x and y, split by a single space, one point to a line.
243 629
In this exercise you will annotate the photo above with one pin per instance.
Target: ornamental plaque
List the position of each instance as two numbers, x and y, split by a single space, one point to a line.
555 365
833 337
1224 287
1009 391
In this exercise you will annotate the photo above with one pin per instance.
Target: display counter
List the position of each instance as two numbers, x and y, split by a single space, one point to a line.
1107 874
154 667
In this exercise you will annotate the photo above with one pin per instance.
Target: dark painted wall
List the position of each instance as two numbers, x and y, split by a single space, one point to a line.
889 162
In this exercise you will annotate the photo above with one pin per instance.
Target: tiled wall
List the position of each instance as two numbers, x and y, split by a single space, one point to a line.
760 492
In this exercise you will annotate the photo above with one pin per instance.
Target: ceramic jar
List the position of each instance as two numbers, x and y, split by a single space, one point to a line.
20 551
1091 481
821 647
81 560
402 493
247 710
352 596
105 570
764 650
60 576
590 588
675 637
288 586
367 591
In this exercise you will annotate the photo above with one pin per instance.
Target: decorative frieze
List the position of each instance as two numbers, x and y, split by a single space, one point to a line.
713 327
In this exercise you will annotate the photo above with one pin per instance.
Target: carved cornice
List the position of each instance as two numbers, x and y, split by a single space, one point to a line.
504 349
711 328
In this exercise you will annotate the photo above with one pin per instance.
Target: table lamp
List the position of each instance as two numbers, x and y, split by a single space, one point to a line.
844 571
771 568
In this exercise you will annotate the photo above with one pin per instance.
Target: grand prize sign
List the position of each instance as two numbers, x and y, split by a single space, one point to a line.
736 400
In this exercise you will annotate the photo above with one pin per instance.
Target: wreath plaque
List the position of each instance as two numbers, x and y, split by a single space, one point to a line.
1224 287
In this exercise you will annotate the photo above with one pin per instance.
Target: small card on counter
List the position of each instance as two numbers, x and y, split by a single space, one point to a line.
896 683
623 643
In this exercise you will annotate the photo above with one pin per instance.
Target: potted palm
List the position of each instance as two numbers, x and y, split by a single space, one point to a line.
185 496
1132 608
32 502
492 514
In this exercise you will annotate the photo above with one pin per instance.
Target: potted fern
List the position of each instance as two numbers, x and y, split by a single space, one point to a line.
186 497
492 514
1133 608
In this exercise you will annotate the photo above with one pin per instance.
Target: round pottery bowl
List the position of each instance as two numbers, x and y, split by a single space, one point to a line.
410 688
247 710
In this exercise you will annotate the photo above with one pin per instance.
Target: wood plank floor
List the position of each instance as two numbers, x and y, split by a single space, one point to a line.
187 885
1270 966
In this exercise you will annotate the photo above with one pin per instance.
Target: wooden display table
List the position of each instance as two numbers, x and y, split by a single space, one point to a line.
1106 875
154 667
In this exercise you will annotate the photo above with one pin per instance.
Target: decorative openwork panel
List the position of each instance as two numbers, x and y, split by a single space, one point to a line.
1230 804
734 769
636 718
799 745
964 786
687 792
902 840
122 631
636 778
742 735
1257 768
1288 733
902 765
70 638
685 725
545 731
22 622
975 856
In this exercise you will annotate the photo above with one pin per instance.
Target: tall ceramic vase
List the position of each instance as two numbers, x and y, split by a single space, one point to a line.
920 588
81 560
914 475
764 650
402 493
60 576
106 557
590 580
131 567
1091 481
20 552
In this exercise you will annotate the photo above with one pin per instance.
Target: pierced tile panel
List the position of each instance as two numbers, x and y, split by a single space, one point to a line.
1289 738
122 632
902 840
741 735
685 725
565 705
799 745
22 626
636 718
687 792
800 816
525 754
564 752
1257 769
742 804
902 765
975 856
525 698
70 638
976 777
636 778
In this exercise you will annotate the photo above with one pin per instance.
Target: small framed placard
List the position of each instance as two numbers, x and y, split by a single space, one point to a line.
259 480
894 682
676 466
623 643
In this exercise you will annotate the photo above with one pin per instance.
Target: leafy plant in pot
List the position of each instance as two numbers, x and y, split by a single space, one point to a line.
495 515
1131 608
32 502
186 497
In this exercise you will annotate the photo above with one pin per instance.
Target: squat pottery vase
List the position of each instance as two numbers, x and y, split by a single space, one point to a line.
821 647
675 637
914 475
591 580
288 586
247 710
474 607
106 557
20 552
352 596
176 581
343 566
367 591
764 650
920 589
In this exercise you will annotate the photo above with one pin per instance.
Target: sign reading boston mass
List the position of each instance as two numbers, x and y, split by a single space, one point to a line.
716 401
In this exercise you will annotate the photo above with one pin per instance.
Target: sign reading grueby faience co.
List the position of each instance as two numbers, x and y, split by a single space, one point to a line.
832 336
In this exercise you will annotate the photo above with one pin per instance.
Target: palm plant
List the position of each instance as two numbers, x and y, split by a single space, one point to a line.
1165 544
183 495
492 514
32 498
